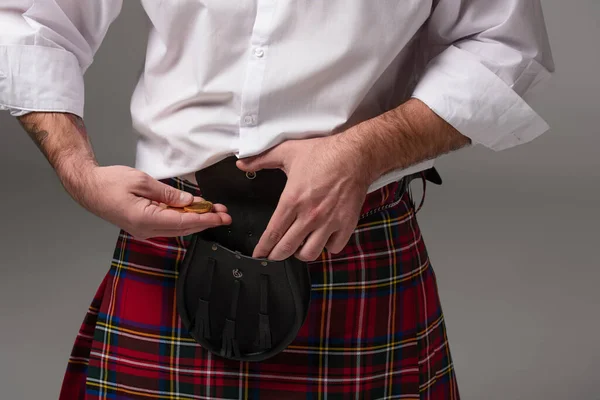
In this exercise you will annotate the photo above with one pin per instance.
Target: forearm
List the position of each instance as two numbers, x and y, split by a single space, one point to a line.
404 136
63 140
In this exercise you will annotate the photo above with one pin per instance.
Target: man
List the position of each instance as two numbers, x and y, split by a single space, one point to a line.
350 98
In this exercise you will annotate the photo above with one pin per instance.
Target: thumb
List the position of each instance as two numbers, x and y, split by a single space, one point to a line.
271 159
158 191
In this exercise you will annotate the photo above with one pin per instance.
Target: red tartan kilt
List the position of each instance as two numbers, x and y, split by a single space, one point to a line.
375 328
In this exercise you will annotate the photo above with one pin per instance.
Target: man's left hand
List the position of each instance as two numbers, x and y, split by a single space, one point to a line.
319 208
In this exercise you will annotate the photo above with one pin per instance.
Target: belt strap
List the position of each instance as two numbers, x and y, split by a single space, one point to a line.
229 345
201 320
264 327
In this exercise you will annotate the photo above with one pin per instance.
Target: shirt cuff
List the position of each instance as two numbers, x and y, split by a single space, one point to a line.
476 102
36 78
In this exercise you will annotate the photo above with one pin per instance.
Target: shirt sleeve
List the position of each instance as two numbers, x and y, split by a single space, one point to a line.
45 48
485 56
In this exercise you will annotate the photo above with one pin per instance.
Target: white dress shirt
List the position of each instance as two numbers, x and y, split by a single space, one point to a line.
231 77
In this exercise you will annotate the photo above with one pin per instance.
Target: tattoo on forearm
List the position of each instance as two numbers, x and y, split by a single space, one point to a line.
59 136
38 136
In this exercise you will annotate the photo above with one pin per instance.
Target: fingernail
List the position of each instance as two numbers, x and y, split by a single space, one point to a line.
185 197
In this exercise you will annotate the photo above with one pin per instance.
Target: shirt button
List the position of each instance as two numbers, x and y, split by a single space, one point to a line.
249 119
258 52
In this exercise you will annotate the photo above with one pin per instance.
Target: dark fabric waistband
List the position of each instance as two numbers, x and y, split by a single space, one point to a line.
376 201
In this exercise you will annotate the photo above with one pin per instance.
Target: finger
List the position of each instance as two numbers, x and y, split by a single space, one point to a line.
271 159
282 219
217 207
339 240
152 189
155 218
221 219
290 242
185 232
315 243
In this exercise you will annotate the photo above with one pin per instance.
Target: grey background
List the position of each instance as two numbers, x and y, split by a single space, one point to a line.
513 235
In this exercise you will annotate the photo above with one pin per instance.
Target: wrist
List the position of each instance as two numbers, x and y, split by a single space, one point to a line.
356 148
76 175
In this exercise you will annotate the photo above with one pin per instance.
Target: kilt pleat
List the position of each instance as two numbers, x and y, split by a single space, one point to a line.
375 328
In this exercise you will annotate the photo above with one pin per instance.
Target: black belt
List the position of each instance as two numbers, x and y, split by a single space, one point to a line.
233 305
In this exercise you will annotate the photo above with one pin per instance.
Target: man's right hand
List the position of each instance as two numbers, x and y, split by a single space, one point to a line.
126 197
135 202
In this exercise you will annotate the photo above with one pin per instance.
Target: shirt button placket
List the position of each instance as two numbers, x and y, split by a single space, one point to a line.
249 120
251 91
259 52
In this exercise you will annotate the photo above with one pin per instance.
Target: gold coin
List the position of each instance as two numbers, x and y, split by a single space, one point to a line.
199 207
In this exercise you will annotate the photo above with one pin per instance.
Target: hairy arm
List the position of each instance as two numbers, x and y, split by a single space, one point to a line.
124 196
63 139
407 135
328 177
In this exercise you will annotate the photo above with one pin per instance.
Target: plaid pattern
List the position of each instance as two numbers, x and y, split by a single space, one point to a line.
375 328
